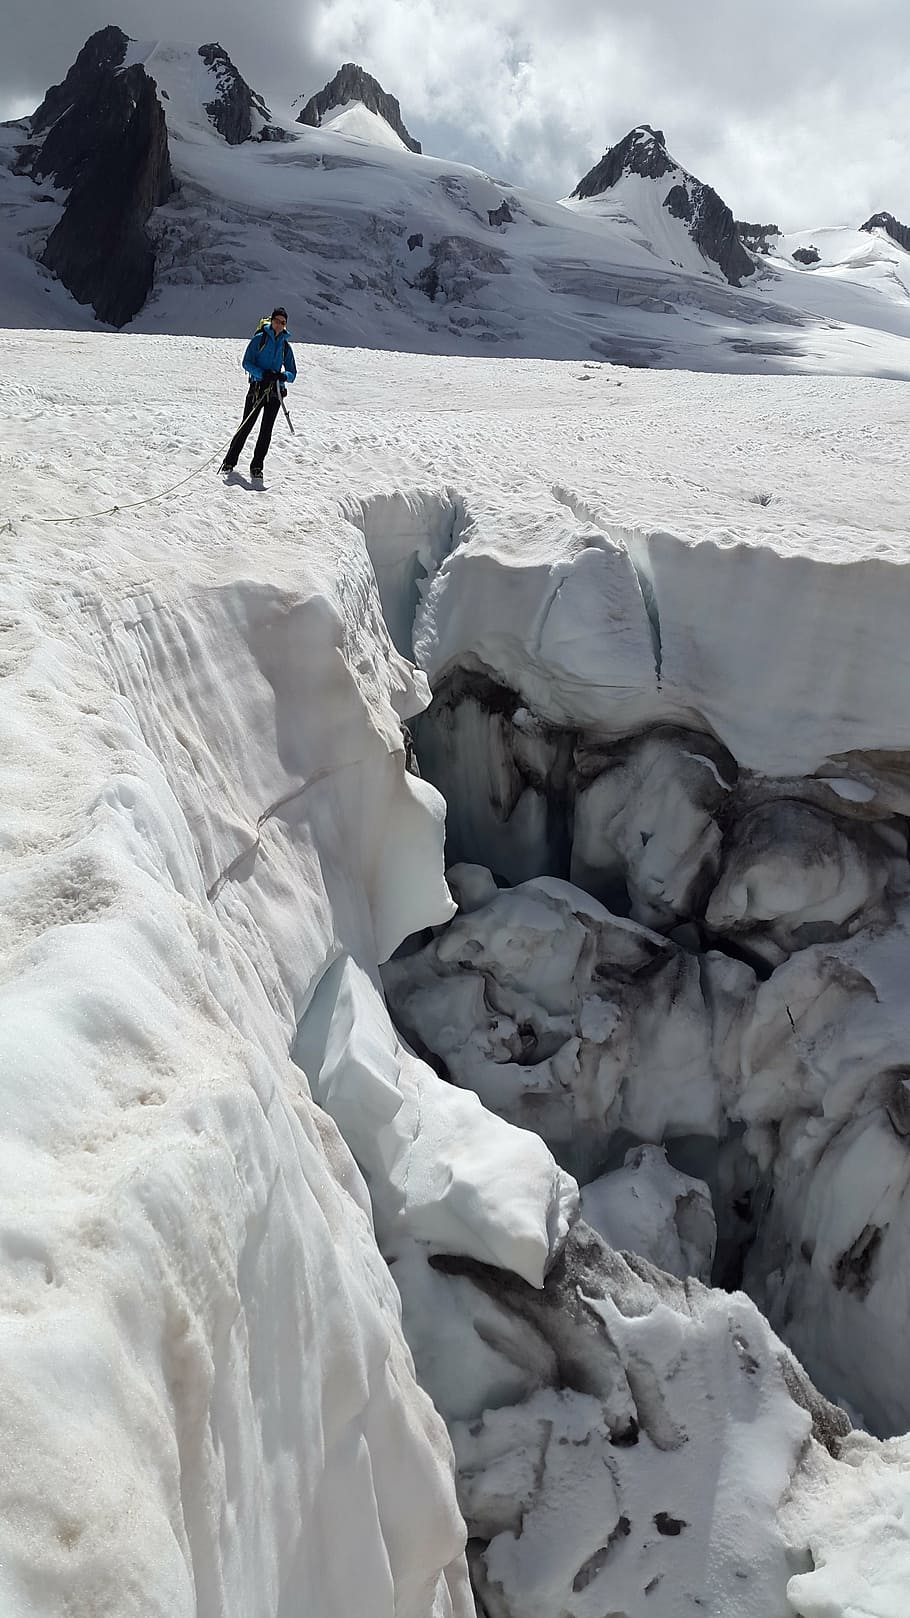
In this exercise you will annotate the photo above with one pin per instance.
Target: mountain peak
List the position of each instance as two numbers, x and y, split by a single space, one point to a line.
703 214
643 151
101 135
353 83
892 227
102 52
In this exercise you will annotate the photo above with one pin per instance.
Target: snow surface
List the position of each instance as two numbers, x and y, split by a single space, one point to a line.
358 122
209 843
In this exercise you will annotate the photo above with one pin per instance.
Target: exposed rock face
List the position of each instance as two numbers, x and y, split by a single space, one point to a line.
707 217
351 83
99 57
886 221
711 226
757 238
807 255
236 110
106 142
641 152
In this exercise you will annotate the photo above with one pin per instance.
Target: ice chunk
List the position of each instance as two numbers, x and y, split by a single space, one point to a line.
649 1208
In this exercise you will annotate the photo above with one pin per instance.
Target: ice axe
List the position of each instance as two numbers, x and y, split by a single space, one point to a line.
286 412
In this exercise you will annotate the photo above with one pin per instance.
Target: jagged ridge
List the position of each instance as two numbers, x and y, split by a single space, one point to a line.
232 110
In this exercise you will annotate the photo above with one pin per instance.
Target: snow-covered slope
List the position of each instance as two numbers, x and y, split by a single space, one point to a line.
210 1128
369 242
355 121
350 96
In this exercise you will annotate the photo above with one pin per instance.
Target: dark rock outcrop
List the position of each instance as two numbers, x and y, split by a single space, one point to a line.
757 238
100 56
806 255
105 141
706 216
235 104
351 83
892 227
712 228
641 152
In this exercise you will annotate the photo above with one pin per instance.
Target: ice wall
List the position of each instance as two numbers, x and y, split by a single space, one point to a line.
709 738
789 659
205 1385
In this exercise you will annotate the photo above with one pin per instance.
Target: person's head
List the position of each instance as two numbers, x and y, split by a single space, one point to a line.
280 319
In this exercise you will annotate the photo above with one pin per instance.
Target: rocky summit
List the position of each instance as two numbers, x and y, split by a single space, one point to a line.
642 151
708 220
351 83
892 227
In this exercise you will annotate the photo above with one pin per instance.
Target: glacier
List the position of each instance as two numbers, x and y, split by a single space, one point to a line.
282 1276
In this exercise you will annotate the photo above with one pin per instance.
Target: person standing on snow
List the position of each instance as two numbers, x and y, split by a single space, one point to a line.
269 362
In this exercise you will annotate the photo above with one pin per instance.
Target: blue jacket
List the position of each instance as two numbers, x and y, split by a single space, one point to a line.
269 355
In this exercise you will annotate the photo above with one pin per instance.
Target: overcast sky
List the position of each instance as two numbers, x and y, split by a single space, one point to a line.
796 111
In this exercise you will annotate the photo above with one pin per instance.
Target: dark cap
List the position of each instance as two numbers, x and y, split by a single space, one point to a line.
280 310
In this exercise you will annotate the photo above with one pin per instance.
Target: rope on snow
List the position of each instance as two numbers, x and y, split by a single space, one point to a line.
131 505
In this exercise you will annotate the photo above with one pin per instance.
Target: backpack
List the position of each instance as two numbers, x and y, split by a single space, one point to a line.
263 339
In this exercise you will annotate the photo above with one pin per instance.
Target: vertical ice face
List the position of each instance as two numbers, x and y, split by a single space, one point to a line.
735 998
203 1369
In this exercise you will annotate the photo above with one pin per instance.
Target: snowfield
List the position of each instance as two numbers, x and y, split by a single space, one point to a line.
234 1202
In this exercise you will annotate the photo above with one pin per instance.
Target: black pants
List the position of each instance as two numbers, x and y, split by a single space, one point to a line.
268 402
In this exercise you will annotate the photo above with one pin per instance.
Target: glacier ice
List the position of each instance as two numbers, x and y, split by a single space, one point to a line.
576 1023
236 1202
657 1449
648 1207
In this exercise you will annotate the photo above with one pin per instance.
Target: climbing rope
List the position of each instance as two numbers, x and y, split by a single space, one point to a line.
131 505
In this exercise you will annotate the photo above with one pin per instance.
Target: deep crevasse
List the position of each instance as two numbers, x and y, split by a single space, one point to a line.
209 842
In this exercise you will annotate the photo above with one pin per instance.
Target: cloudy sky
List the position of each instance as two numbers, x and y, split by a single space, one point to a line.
795 110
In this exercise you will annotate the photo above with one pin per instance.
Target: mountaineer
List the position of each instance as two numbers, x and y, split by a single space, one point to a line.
269 362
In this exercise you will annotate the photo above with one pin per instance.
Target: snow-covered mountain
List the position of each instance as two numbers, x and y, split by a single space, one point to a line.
160 190
640 187
345 99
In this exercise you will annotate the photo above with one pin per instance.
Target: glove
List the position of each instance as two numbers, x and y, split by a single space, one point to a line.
268 377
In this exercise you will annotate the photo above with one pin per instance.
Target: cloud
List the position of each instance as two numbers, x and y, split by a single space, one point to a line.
785 108
269 40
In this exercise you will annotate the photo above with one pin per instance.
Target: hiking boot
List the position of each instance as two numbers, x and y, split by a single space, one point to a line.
227 466
255 471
